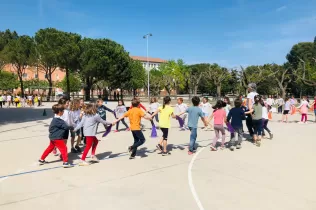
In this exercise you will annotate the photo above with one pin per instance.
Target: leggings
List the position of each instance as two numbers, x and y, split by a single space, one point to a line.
156 117
304 118
92 141
118 123
60 144
218 129
265 126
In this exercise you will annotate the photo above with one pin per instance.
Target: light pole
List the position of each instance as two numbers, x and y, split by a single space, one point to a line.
147 65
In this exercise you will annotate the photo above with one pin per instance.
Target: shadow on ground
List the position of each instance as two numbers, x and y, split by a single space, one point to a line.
21 115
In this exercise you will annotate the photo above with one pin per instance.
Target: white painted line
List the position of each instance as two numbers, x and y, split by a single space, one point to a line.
191 185
2 179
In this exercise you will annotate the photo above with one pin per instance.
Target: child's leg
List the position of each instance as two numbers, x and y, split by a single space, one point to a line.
223 135
94 145
60 144
216 135
157 118
193 136
302 118
305 117
89 140
232 138
184 118
165 132
266 125
139 140
124 123
48 150
259 129
72 139
117 125
240 133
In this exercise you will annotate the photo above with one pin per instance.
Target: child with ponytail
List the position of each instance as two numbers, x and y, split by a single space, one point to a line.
219 116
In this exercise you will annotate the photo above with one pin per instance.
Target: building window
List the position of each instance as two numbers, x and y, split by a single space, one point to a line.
24 75
35 76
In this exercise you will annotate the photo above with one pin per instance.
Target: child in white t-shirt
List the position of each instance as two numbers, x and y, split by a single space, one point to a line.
182 107
153 107
206 110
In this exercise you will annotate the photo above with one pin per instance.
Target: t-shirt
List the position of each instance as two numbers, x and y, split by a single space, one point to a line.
304 107
165 114
120 110
270 101
194 114
265 113
206 107
134 115
219 116
8 98
102 111
292 101
227 108
153 107
257 115
280 101
236 115
287 105
251 98
181 107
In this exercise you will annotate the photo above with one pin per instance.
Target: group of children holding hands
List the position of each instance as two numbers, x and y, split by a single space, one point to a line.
82 120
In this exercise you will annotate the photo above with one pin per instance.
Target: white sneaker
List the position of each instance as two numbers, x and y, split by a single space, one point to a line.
84 163
300 123
95 159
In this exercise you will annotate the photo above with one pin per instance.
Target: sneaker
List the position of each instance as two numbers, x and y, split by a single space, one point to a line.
115 131
73 150
95 159
213 148
41 162
84 163
127 129
238 146
166 153
67 165
78 149
129 150
182 129
190 153
271 135
300 123
232 148
131 158
159 147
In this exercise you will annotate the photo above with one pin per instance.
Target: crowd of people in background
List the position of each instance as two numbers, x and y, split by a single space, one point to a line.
10 100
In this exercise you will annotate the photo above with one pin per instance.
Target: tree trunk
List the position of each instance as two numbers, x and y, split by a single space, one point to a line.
22 86
218 90
134 92
195 89
283 91
49 89
68 83
87 89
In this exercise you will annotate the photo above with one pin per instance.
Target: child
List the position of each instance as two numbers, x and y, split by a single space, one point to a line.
166 111
265 119
236 116
57 130
228 106
82 108
153 107
75 116
102 110
256 112
303 109
280 103
194 113
219 115
140 106
287 108
90 123
206 108
120 111
181 108
135 114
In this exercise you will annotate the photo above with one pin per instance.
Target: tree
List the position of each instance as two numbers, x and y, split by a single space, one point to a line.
74 83
172 75
20 53
8 81
5 38
301 51
36 84
48 49
196 73
138 75
68 54
217 75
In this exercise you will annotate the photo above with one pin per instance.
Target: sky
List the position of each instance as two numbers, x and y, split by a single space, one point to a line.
228 32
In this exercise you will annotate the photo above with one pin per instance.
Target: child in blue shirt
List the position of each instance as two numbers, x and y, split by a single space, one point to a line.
235 116
194 114
102 111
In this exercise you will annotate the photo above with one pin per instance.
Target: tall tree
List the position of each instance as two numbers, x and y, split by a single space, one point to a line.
217 75
301 51
196 72
20 53
172 75
8 81
68 54
138 75
5 38
48 46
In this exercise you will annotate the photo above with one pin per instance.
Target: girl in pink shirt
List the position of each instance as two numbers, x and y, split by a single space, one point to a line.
303 109
219 115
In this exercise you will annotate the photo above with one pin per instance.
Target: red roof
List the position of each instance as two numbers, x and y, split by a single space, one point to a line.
152 60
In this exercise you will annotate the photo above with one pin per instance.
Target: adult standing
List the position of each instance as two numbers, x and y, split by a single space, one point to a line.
252 89
280 103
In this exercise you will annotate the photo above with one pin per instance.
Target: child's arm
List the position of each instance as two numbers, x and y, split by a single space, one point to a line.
80 124
147 117
100 120
108 109
141 106
211 117
119 119
173 115
155 113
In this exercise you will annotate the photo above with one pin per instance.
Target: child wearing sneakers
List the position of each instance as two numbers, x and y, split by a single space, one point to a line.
206 109
181 108
194 114
135 115
102 109
235 116
120 111
90 123
166 111
57 130
219 116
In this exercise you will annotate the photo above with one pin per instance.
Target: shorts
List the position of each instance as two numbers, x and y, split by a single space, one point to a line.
285 112
165 132
77 133
66 135
206 114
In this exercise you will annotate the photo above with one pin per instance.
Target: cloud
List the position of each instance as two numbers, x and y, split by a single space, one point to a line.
281 8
